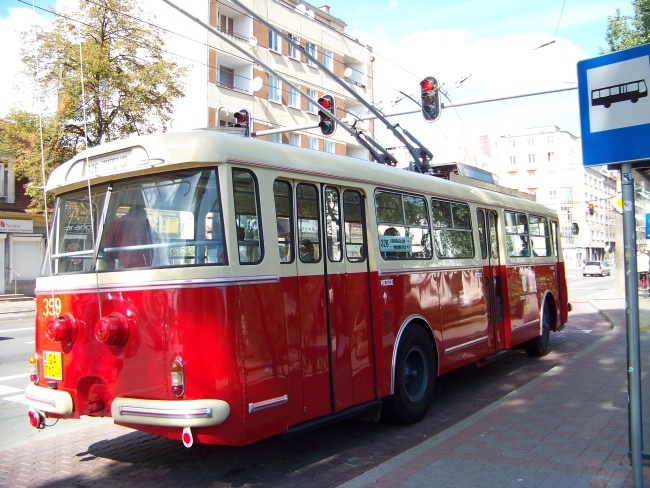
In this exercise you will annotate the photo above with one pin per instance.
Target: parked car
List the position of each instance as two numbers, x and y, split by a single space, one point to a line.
593 268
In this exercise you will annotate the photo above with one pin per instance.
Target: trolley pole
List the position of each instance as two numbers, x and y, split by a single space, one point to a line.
632 326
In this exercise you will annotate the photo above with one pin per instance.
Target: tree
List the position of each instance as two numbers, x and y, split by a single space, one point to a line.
128 86
625 31
20 135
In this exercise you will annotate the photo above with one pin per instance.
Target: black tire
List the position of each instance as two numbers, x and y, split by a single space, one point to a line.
415 378
540 345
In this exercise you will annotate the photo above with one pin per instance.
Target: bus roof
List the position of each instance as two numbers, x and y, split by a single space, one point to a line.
138 156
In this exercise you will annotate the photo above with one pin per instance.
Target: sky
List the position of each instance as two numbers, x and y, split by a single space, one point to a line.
478 50
494 46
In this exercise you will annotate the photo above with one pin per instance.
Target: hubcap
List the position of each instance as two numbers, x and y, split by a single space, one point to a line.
415 375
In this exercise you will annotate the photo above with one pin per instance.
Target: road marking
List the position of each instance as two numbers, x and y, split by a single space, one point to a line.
5 390
14 377
17 399
2 331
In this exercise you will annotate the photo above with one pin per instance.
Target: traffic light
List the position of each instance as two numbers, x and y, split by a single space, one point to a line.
430 99
591 209
243 119
575 230
327 124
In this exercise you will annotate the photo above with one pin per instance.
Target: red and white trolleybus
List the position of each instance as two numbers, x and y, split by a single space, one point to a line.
212 288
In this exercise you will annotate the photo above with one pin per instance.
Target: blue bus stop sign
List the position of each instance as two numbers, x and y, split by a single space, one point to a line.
615 107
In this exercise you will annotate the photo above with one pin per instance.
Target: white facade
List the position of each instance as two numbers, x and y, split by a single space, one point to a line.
221 80
547 162
227 81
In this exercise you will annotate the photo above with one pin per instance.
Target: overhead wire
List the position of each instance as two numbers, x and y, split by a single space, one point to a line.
203 44
71 19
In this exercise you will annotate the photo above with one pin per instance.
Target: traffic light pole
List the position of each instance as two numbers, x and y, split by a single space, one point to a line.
473 102
410 112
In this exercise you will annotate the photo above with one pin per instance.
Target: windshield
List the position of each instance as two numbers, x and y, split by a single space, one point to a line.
170 219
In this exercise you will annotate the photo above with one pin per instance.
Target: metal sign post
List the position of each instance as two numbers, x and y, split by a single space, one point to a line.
615 126
632 326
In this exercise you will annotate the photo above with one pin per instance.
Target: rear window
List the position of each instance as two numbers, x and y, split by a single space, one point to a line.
593 263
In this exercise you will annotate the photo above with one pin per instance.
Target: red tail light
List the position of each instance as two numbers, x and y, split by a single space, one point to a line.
62 329
112 330
177 377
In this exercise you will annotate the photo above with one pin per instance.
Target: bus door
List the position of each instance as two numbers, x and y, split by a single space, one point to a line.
348 297
492 277
311 296
333 299
560 273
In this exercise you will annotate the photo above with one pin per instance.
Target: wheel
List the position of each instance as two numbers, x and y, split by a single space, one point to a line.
539 345
415 378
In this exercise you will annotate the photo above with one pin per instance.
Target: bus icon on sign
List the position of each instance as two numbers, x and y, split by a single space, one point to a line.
632 91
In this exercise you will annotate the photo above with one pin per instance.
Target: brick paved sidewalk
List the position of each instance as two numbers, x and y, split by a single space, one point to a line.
567 428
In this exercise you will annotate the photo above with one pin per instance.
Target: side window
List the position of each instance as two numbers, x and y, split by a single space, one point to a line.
482 234
517 241
540 236
355 232
333 224
284 219
308 223
247 213
167 219
452 229
403 225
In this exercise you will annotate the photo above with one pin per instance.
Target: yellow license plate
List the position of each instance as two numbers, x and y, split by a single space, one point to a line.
52 368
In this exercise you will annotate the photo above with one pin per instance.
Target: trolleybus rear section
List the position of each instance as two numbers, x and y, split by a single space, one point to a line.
212 288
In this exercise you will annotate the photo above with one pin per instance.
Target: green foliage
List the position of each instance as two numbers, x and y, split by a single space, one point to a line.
20 136
625 31
128 86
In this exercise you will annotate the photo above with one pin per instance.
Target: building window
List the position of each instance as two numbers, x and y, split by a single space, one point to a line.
549 139
275 138
566 194
293 50
531 158
513 160
328 59
294 140
312 143
274 89
311 50
226 24
328 147
294 98
550 156
226 76
311 108
531 141
512 143
275 42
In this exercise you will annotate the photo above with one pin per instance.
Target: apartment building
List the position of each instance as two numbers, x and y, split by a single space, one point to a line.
229 81
547 162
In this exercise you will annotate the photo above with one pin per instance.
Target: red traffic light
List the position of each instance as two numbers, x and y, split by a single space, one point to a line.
427 84
325 102
430 99
243 119
240 117
327 124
